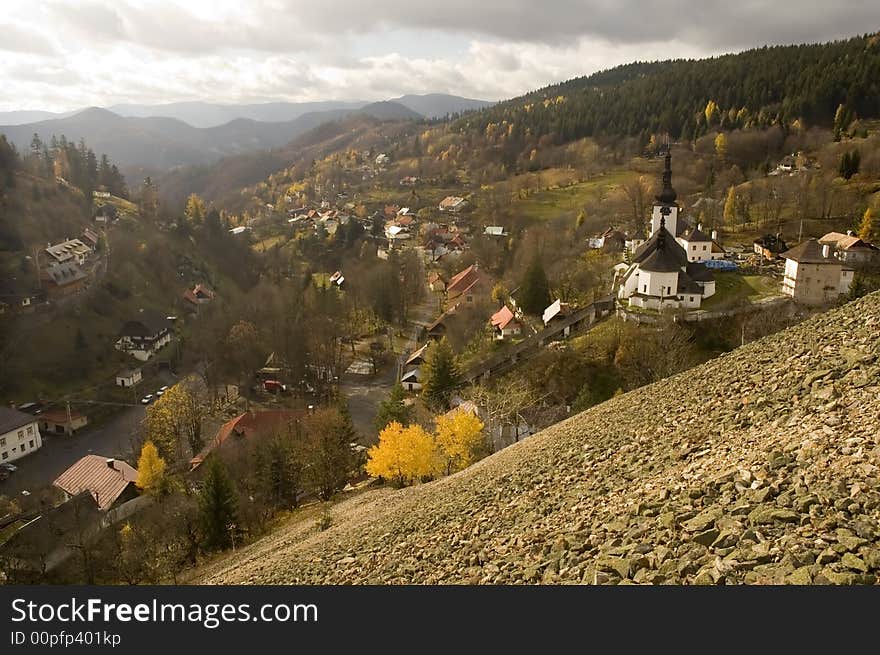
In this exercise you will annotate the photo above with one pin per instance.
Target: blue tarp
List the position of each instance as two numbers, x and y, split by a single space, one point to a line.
721 265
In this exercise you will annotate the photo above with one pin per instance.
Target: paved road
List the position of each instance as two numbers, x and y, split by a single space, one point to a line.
119 437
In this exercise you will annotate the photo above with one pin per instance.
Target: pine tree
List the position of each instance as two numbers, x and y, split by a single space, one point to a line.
534 292
218 502
393 409
442 375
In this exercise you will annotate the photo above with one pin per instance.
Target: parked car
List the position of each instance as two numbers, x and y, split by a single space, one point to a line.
12 468
163 389
146 400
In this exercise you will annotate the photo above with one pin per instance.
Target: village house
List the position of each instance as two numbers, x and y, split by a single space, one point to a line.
505 324
59 420
466 285
453 204
770 246
110 482
849 248
699 246
495 231
17 294
661 276
198 295
337 279
611 240
411 380
417 357
246 427
91 238
19 434
129 378
813 276
557 310
144 336
71 250
64 279
500 433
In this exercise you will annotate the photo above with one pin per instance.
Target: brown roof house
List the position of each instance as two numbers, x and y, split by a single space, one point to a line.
467 285
61 421
64 279
813 276
144 336
505 324
849 248
247 426
198 295
110 482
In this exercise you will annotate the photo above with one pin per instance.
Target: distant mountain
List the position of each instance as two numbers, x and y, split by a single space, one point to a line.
438 105
159 143
20 117
206 114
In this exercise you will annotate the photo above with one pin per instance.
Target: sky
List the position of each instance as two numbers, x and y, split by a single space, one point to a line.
60 55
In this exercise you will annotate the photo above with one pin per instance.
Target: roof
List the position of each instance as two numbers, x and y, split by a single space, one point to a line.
193 294
417 355
411 376
502 318
104 478
687 285
695 234
147 324
556 309
12 419
494 230
772 242
463 281
644 251
699 272
59 415
128 372
65 273
808 252
667 194
249 425
845 242
66 249
451 201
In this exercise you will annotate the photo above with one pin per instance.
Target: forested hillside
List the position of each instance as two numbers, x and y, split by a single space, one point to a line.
823 84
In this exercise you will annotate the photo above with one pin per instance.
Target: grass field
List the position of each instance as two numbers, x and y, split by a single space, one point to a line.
568 201
732 289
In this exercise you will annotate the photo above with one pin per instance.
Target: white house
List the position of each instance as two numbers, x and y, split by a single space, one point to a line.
849 248
144 336
411 380
129 377
70 250
813 276
505 324
453 204
699 246
19 434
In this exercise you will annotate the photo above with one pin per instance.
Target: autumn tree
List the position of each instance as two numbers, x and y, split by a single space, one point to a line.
460 439
404 455
327 436
150 470
393 408
534 292
721 146
218 503
731 212
174 419
869 228
442 375
195 209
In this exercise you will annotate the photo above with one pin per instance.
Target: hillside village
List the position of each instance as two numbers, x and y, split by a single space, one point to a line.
429 292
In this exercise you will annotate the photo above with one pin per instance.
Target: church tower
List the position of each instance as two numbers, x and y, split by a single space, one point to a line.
665 206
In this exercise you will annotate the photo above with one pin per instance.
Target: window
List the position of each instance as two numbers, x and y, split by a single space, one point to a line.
31 443
694 248
21 434
30 430
645 288
5 455
3 441
704 247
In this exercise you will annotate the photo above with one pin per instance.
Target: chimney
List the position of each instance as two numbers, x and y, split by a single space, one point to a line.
849 233
714 235
700 227
111 463
826 251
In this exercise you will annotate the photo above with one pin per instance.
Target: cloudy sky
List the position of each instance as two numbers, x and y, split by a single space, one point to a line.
64 54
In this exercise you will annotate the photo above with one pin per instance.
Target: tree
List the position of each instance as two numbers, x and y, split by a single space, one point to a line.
534 292
721 146
195 209
244 350
393 408
174 418
442 375
869 229
150 470
850 162
403 455
459 436
218 503
327 437
730 207
500 294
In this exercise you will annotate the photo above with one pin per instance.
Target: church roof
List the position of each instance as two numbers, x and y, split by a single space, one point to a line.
670 245
699 272
687 285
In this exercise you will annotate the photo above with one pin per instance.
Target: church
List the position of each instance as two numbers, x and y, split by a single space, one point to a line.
667 270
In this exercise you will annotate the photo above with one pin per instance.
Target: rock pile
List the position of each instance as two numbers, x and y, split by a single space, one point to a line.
761 466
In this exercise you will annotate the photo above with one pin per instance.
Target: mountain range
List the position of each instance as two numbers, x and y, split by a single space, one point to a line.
143 138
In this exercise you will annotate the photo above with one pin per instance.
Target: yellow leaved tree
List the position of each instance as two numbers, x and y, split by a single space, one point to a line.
459 436
150 469
403 455
175 419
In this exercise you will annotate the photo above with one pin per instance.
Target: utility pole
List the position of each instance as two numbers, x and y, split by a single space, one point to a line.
69 419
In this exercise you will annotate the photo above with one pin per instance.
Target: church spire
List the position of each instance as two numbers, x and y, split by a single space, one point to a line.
667 196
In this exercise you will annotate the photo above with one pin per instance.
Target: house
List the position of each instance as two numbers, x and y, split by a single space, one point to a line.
501 432
61 421
437 329
382 159
337 278
505 324
109 481
849 248
411 380
409 180
238 230
417 357
106 214
19 434
100 194
466 285
699 246
129 377
91 238
145 335
71 250
436 282
453 204
770 246
396 232
64 279
17 294
495 231
813 276
248 426
198 295
611 240
660 275
557 310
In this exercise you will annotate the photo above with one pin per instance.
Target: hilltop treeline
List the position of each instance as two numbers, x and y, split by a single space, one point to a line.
829 84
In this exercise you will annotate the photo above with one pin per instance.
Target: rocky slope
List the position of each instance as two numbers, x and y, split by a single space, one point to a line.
758 467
